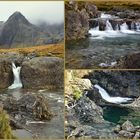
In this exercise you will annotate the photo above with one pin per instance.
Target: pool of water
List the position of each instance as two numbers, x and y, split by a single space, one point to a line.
119 115
48 129
91 52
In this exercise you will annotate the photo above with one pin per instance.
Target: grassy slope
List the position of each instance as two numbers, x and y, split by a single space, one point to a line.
46 50
109 4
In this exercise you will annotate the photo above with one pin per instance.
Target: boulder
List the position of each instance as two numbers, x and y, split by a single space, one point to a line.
88 112
128 126
126 134
42 72
137 135
30 106
130 61
92 10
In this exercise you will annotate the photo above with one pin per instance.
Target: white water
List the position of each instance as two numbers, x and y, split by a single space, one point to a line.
106 97
16 72
107 65
109 32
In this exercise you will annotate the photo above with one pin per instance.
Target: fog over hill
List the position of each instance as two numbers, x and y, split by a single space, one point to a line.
18 31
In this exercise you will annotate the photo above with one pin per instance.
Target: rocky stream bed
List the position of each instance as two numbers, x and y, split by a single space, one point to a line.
101 39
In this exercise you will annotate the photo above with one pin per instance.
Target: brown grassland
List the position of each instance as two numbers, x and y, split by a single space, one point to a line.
109 4
56 50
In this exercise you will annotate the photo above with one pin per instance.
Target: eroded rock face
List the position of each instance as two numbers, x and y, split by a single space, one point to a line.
42 72
119 83
77 16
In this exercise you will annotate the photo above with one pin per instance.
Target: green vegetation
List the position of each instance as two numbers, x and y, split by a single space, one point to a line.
76 94
5 129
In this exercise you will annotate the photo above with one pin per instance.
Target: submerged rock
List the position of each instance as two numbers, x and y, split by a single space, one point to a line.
42 72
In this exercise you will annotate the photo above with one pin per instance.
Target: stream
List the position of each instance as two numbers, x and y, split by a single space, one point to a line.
104 47
49 129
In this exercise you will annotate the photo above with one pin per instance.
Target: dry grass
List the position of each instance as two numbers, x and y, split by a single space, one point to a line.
109 4
46 50
105 5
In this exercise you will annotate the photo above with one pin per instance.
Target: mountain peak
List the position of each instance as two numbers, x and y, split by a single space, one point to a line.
17 17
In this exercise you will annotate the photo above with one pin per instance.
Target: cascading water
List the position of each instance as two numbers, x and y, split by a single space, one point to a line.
106 97
17 81
108 26
118 31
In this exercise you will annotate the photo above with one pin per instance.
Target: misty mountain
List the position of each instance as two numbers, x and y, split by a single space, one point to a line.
56 29
18 31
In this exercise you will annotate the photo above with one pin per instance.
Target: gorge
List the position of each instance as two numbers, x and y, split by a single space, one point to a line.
102 104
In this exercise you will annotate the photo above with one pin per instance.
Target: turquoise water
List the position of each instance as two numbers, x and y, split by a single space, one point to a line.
119 115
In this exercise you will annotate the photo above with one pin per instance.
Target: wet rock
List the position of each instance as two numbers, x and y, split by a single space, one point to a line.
102 25
126 134
92 10
119 83
128 126
42 72
127 130
30 106
124 13
137 135
117 129
129 62
87 111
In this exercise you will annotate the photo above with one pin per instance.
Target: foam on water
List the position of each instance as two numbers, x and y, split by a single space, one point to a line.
112 33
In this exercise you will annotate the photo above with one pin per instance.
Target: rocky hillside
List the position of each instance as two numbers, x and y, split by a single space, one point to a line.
18 31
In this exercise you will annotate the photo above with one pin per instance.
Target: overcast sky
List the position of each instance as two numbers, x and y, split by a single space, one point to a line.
50 11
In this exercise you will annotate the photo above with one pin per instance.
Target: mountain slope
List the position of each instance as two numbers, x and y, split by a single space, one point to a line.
18 31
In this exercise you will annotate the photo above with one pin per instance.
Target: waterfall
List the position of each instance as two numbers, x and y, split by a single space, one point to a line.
16 72
124 26
108 26
117 27
111 32
138 26
106 96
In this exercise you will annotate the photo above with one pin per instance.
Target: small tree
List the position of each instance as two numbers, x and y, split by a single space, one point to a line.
5 129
